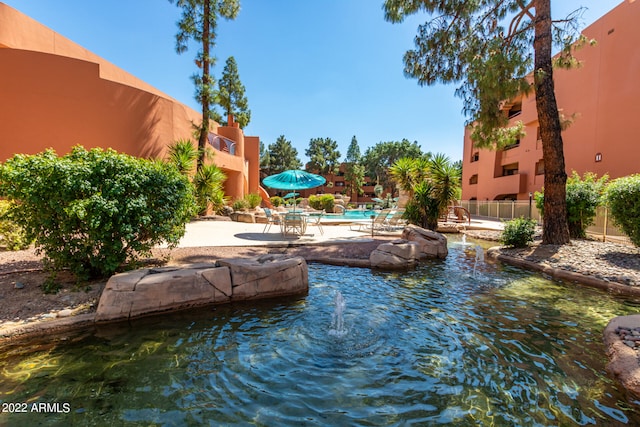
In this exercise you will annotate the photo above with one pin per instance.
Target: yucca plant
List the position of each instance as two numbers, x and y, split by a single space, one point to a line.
183 155
208 188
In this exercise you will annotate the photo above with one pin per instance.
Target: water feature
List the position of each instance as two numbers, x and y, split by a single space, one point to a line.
431 346
479 258
337 320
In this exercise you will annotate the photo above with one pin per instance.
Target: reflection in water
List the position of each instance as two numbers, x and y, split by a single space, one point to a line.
436 345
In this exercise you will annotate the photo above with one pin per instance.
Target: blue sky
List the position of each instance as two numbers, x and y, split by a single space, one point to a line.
311 68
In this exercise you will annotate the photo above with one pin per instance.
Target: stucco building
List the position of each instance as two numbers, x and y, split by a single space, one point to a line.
603 94
56 94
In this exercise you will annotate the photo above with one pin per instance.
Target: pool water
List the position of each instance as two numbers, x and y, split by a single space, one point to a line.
437 345
352 215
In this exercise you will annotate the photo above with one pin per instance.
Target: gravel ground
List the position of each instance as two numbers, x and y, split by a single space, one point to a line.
22 277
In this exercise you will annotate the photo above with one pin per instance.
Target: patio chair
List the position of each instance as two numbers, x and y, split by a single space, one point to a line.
379 222
396 220
314 219
271 219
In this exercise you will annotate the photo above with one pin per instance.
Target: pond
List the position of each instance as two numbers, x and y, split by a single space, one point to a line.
443 344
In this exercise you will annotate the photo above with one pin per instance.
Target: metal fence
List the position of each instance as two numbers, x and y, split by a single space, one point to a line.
602 229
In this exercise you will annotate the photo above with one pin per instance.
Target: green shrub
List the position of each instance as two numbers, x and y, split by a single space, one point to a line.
623 199
327 202
92 211
253 200
12 236
518 232
277 201
240 205
314 202
584 195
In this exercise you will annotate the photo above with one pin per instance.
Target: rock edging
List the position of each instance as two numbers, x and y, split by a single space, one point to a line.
571 276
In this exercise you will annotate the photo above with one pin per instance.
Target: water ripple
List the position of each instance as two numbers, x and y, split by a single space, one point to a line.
438 345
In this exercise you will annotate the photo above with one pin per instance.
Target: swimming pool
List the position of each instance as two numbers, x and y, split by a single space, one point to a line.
437 345
352 215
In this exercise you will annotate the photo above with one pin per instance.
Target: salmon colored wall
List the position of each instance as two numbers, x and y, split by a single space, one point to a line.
54 101
603 94
56 94
252 154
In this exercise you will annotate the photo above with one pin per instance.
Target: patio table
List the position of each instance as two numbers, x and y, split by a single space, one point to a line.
295 224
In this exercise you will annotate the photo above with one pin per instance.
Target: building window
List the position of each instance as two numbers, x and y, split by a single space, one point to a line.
540 167
473 180
475 157
511 169
515 110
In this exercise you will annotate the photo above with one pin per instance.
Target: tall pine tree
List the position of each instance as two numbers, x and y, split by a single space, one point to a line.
490 48
231 95
198 23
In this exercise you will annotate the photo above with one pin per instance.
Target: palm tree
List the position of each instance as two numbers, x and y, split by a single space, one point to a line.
446 178
432 183
408 172
423 208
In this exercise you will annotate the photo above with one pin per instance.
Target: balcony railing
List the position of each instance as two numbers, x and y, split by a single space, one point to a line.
220 143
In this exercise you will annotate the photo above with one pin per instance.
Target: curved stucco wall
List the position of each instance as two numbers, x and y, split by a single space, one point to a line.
55 101
57 94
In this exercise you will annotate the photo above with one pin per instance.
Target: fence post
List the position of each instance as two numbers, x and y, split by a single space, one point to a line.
604 230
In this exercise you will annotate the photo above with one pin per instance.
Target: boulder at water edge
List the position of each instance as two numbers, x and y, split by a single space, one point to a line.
623 360
396 255
431 243
147 291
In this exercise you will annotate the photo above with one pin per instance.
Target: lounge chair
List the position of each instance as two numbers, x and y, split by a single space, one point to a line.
378 223
314 219
396 220
271 219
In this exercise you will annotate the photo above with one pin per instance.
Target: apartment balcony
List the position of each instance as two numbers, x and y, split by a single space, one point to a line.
509 184
220 143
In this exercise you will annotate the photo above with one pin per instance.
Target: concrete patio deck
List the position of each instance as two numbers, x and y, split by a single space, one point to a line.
230 233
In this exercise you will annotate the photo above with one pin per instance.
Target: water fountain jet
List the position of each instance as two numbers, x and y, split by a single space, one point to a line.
479 258
337 319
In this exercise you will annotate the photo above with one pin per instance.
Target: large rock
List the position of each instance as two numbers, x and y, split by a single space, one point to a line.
432 244
398 254
247 217
267 276
147 291
623 360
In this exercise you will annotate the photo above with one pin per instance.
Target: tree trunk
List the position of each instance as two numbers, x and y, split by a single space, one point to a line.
206 101
555 227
